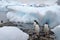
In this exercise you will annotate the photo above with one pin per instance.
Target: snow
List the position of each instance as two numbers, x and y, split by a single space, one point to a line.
23 17
56 30
3 3
26 13
8 2
15 16
25 8
52 16
12 33
48 14
18 12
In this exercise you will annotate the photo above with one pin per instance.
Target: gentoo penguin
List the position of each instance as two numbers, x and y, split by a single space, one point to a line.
46 28
36 26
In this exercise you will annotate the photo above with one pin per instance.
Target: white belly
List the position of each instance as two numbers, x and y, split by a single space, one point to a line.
46 29
37 29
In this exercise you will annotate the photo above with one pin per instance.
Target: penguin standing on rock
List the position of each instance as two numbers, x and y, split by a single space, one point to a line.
36 27
35 35
46 27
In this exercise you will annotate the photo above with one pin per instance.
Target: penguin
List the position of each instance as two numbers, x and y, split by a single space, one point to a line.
36 26
46 27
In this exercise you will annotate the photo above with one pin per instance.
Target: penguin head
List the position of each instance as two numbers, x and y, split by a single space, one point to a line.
35 22
46 24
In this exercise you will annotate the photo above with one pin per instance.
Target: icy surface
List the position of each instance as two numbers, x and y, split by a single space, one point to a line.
23 17
12 33
48 14
56 30
26 13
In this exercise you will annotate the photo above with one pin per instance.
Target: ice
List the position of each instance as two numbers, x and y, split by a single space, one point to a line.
29 18
56 30
25 9
26 13
48 14
23 17
52 16
12 33
3 3
15 16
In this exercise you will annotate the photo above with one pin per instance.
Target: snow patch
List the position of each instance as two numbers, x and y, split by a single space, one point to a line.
12 33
